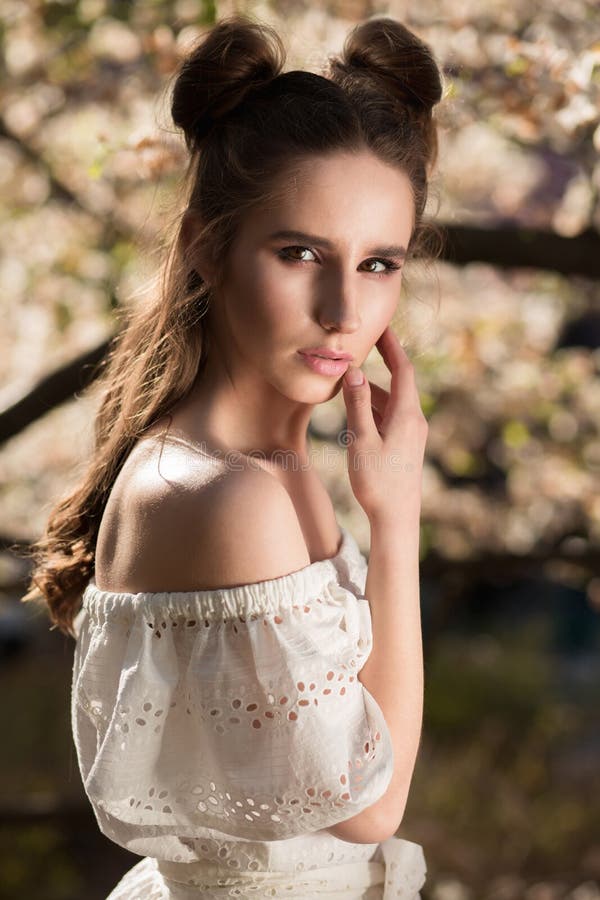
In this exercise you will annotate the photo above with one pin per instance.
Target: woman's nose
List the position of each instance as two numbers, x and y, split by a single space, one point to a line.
339 309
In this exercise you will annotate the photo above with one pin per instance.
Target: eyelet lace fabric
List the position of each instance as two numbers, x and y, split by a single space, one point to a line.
220 733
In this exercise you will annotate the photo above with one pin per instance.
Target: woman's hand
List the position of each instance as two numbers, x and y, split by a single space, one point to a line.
386 435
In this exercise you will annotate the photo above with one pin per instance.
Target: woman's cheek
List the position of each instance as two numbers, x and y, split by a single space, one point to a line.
280 300
374 323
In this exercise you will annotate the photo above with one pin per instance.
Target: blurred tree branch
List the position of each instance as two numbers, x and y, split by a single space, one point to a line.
52 390
510 246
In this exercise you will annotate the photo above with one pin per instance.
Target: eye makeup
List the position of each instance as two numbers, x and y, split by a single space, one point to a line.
390 265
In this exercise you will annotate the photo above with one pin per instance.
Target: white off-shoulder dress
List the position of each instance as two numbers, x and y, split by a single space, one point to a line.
219 733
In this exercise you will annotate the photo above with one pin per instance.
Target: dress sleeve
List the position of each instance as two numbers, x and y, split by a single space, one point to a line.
236 710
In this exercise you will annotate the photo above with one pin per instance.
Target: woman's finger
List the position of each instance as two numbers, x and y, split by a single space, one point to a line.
357 398
400 366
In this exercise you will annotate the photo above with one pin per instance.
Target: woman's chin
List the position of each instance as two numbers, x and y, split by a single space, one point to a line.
321 390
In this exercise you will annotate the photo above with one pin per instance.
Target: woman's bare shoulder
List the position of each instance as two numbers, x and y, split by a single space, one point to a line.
187 523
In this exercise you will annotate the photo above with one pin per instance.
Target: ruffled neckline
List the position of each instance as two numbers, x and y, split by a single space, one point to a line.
259 596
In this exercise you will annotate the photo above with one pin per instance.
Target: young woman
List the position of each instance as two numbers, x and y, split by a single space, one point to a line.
247 692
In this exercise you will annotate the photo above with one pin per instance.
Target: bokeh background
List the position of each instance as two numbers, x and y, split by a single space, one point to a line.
504 331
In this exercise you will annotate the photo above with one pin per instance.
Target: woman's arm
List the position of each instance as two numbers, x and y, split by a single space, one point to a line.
393 673
385 461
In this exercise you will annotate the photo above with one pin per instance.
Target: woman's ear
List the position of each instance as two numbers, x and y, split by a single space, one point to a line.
194 253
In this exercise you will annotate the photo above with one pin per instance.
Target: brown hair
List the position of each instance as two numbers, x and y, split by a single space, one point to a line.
242 117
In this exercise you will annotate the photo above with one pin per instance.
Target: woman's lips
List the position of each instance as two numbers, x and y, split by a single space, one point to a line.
335 367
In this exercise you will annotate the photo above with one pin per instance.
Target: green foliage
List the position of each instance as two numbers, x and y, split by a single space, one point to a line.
33 856
499 737
469 685
63 16
515 433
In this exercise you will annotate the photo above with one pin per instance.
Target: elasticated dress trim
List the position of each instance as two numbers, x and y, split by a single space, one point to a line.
255 598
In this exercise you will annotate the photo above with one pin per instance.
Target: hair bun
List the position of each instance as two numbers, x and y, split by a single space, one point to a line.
238 55
400 61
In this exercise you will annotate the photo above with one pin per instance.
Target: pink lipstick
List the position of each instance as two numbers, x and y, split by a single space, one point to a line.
326 361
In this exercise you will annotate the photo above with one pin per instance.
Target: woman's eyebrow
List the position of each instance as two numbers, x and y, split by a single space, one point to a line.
302 236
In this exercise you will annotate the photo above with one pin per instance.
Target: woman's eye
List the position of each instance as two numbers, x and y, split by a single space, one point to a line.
285 253
294 254
388 266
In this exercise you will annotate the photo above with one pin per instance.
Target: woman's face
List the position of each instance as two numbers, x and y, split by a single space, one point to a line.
322 268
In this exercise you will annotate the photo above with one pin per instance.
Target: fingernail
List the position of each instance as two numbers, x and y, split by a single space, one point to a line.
354 375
